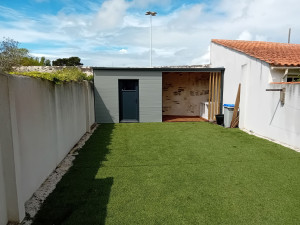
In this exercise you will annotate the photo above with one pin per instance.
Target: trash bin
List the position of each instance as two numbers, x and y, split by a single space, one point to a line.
220 119
228 113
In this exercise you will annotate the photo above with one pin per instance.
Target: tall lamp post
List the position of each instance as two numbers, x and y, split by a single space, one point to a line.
149 13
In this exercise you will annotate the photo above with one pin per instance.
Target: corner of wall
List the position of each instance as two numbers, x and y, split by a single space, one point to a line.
10 151
3 201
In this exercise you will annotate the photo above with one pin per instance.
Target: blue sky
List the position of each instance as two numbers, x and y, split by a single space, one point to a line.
116 32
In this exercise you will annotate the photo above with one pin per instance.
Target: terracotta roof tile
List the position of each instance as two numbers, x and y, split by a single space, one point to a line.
276 54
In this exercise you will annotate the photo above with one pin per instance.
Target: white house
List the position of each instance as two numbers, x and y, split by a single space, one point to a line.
270 91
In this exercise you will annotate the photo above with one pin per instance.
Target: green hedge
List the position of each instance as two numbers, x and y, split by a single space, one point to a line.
60 76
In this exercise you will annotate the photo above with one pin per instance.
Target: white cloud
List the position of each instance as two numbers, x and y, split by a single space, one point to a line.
204 59
31 35
48 56
187 16
245 35
123 51
111 14
146 3
9 13
117 31
260 38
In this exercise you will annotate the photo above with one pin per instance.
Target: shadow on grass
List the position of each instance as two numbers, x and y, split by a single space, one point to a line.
80 198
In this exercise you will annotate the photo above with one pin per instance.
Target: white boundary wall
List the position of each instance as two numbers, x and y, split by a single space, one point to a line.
39 123
260 110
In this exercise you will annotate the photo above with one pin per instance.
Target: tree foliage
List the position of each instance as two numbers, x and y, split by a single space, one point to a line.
71 61
10 54
47 62
35 61
30 61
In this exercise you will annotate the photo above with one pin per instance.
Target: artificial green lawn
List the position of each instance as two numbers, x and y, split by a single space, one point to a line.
177 173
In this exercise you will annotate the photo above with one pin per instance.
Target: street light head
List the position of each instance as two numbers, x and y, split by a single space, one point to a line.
149 13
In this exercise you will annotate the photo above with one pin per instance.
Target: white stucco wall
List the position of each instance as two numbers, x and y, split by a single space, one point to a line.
42 122
260 110
107 94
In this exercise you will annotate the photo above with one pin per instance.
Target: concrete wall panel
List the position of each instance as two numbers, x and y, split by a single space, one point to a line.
3 202
40 123
71 116
4 143
10 210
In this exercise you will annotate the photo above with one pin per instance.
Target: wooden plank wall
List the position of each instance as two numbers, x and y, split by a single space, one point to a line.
183 92
214 97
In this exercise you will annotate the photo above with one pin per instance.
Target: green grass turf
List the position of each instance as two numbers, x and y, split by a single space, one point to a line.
177 173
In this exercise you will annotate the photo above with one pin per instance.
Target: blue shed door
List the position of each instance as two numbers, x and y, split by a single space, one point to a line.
129 101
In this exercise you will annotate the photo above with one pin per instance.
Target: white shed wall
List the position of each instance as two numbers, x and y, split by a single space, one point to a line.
107 95
260 110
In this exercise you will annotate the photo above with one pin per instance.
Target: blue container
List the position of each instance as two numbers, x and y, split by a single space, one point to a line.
228 113
229 105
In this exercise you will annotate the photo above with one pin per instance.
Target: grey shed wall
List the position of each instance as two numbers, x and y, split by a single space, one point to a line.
107 94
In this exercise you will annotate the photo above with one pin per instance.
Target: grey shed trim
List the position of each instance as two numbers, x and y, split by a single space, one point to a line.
163 69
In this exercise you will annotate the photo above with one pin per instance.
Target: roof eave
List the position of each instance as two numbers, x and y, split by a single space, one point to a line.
163 69
273 67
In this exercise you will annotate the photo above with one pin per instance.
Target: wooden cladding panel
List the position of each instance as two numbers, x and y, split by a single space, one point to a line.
214 97
209 98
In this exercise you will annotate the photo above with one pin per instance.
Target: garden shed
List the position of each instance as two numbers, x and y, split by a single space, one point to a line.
152 94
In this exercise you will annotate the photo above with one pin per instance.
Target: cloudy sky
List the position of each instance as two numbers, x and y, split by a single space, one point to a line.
116 32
